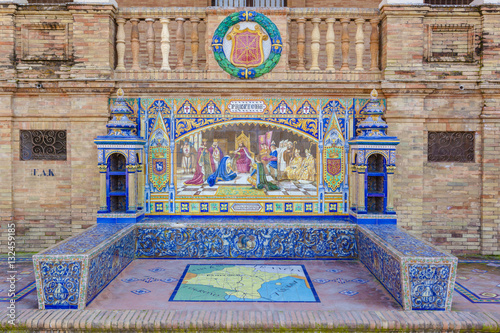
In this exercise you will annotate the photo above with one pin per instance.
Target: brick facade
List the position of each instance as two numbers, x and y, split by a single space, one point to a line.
454 205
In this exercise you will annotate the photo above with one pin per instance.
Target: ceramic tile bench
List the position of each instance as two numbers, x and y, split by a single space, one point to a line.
416 273
69 275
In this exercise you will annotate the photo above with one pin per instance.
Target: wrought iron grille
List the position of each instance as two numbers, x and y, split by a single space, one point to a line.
43 145
451 147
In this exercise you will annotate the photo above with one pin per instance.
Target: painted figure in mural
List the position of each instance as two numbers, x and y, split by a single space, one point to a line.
258 177
242 159
223 172
216 154
281 160
204 166
288 153
292 170
271 161
307 173
188 153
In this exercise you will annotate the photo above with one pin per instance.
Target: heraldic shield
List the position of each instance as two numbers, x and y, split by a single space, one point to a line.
247 50
334 167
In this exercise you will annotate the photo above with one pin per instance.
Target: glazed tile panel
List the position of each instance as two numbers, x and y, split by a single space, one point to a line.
429 286
384 265
239 241
403 242
109 263
61 283
87 240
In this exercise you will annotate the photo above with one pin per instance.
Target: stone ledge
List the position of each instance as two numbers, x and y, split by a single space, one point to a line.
313 321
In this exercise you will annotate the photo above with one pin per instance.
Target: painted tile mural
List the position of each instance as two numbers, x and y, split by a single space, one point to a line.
219 156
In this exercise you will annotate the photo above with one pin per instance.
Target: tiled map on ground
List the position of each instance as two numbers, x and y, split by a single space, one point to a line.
245 283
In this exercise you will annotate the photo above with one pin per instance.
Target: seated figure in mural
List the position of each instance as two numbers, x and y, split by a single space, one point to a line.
258 177
307 173
223 172
188 153
292 171
204 166
216 154
242 159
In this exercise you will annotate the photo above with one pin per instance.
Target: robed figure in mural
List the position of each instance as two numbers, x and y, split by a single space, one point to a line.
293 169
223 172
204 166
258 177
271 160
188 154
242 159
307 173
216 154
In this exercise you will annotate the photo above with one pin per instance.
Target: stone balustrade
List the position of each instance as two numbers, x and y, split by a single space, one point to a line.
319 43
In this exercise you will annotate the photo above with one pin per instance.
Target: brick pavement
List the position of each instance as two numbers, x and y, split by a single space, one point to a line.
253 321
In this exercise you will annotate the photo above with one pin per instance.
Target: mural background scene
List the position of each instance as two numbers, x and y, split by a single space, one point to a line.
246 156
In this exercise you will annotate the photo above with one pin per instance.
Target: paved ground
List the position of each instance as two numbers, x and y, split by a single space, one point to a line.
349 298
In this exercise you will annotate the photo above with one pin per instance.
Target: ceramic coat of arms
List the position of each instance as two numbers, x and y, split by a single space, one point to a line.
247 44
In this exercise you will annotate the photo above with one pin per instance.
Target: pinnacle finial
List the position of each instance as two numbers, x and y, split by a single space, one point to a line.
374 94
120 92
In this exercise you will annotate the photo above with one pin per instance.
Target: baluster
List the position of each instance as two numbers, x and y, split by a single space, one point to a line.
330 44
301 39
315 39
360 44
179 41
345 44
194 42
134 41
287 49
150 35
165 44
374 44
120 44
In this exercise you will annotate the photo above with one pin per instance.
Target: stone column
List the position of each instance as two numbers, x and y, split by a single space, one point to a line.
360 44
179 42
150 35
315 40
165 44
195 40
134 42
353 185
301 40
131 183
361 188
390 188
103 202
345 44
330 45
120 44
374 40
140 187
